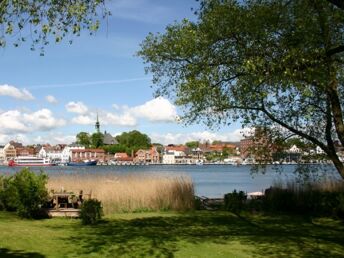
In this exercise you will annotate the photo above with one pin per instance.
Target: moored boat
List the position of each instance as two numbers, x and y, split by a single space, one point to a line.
30 161
83 163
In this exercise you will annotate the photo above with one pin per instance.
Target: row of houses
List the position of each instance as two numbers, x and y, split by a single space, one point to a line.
171 154
59 153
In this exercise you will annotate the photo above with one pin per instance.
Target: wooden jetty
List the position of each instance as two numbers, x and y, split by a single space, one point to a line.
63 212
66 204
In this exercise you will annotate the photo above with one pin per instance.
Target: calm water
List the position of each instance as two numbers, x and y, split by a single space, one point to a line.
209 180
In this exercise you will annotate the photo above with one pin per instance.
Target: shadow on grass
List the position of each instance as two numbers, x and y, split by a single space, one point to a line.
162 236
7 253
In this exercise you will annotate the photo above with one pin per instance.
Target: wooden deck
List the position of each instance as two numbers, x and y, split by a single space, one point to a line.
63 212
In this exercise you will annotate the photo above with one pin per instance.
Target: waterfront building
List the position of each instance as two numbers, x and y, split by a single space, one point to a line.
54 153
66 154
9 152
294 149
25 151
147 156
123 158
87 154
169 158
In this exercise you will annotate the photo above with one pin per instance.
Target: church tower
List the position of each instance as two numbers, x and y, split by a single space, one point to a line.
97 126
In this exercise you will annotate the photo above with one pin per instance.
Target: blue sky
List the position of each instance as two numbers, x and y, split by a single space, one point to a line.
52 98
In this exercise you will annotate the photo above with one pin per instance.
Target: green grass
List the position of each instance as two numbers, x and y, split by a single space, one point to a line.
197 234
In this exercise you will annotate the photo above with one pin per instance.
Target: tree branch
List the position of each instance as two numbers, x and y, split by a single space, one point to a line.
338 3
292 129
335 50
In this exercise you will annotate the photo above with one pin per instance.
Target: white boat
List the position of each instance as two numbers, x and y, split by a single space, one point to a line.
30 161
199 162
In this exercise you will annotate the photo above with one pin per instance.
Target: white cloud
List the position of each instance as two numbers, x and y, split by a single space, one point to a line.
11 91
156 110
106 118
54 138
181 138
5 138
77 107
51 99
125 119
43 120
15 121
83 120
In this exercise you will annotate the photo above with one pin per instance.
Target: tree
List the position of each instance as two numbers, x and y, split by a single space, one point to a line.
134 140
83 138
97 139
270 63
40 20
192 144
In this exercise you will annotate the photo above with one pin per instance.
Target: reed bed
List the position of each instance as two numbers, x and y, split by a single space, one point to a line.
131 193
322 185
321 197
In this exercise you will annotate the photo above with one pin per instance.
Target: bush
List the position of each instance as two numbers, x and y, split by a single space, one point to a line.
91 211
235 201
8 194
25 192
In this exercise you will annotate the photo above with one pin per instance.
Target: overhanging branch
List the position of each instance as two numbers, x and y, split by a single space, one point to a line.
335 50
292 129
338 3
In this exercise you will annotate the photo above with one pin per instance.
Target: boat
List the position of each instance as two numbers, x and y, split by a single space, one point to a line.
30 161
83 163
199 162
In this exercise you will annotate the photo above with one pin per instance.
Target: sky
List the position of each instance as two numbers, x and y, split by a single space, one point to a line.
50 98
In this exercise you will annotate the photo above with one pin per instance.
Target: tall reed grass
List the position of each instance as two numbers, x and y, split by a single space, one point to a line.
322 197
130 193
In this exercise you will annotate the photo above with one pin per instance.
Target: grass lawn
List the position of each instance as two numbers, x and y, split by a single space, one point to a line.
196 234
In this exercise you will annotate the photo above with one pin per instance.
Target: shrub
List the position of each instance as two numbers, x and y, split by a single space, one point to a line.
24 192
31 192
8 194
235 201
91 211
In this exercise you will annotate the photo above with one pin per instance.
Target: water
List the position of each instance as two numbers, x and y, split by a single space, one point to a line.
209 180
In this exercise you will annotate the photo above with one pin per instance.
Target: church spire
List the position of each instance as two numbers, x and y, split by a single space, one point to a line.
97 124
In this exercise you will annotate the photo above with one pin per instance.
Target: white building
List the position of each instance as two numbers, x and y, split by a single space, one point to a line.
294 149
45 152
168 158
319 150
66 154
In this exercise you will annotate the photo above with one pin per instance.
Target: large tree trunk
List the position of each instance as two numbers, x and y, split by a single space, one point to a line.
338 164
336 109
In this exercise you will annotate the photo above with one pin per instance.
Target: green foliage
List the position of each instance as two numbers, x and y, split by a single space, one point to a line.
112 149
235 201
91 212
192 144
24 192
97 139
134 140
275 64
8 194
48 19
83 138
